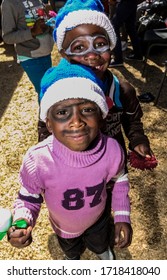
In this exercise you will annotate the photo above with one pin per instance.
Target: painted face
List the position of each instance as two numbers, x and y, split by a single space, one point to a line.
74 122
85 44
88 44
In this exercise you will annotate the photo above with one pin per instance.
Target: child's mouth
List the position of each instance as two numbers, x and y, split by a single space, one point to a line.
97 68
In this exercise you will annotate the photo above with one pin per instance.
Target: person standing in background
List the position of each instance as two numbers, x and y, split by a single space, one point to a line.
125 13
23 25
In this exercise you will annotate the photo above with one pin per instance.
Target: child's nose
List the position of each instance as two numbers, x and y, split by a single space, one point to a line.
76 119
92 57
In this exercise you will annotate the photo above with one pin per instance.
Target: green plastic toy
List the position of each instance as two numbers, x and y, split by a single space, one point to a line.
6 222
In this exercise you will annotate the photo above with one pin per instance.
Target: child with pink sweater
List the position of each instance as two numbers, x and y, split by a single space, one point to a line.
70 169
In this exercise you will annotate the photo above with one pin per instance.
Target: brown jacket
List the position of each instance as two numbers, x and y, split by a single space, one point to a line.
125 115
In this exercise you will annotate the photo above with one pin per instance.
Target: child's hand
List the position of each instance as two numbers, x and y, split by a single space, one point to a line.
143 150
20 238
136 160
39 27
123 235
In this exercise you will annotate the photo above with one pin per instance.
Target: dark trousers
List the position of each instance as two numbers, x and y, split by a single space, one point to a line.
35 69
97 238
126 14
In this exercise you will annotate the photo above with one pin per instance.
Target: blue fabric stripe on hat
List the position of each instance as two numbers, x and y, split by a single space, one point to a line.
75 5
66 70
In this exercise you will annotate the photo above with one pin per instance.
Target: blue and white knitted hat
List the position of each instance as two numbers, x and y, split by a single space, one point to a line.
66 81
75 12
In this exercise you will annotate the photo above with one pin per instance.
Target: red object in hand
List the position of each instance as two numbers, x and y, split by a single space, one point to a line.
140 162
40 12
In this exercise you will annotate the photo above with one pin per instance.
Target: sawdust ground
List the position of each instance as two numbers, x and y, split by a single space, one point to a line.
18 123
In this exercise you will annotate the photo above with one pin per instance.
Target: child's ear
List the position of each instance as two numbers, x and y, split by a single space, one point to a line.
63 54
48 125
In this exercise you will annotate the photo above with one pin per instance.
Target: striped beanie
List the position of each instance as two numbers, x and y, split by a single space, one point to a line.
75 12
66 81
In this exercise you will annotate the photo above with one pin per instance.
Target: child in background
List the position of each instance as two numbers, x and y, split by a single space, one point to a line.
24 26
70 169
85 35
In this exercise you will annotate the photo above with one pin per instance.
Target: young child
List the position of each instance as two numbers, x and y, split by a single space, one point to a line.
84 35
70 169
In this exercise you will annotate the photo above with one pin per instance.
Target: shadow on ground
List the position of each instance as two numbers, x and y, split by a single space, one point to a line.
14 70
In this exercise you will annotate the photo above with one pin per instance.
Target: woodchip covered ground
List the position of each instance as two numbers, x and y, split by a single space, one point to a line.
18 131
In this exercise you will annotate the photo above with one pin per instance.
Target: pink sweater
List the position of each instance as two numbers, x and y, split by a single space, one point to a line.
73 185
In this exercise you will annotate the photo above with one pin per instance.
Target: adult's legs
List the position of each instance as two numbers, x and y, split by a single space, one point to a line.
117 23
130 25
125 13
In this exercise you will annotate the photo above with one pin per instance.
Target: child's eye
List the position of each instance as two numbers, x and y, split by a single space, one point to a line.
100 42
89 110
99 45
63 113
78 48
60 114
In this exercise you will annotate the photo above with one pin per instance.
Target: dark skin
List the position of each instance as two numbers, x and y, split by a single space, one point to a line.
75 123
98 62
21 238
39 27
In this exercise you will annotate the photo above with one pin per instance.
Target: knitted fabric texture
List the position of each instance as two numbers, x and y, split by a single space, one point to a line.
66 81
75 13
53 170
